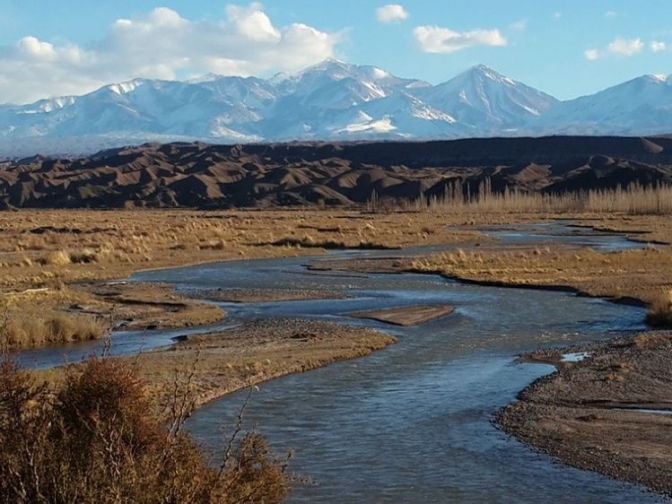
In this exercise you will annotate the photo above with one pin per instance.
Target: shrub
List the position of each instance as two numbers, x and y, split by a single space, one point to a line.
660 312
99 440
83 256
57 258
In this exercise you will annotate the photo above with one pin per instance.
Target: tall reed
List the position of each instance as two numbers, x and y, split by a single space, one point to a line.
636 199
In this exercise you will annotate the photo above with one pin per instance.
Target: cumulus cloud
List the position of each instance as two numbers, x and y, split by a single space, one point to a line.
391 13
619 47
434 39
162 45
657 46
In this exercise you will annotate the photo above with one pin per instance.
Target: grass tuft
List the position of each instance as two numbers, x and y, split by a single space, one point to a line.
660 313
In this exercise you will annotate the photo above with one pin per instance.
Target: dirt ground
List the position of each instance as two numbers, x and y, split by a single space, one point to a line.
610 412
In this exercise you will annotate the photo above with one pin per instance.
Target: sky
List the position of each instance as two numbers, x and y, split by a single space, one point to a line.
567 48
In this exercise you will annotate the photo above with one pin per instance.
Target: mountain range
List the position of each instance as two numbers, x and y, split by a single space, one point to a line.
332 101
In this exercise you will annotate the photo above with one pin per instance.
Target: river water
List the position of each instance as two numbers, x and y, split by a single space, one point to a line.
411 423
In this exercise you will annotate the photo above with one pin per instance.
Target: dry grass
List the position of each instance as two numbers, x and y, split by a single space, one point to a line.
626 275
46 317
57 250
635 200
660 312
27 331
45 248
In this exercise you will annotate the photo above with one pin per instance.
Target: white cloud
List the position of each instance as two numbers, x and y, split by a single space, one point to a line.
163 45
519 25
619 47
610 14
391 13
433 39
657 46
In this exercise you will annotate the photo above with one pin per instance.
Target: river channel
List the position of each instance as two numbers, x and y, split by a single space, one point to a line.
411 423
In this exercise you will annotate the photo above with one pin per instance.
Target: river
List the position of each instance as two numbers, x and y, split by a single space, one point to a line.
411 423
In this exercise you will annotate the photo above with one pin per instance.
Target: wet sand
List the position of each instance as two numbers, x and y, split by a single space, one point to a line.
407 315
220 363
264 295
139 305
610 412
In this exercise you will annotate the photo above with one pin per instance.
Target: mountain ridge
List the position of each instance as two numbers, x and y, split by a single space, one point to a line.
201 175
331 101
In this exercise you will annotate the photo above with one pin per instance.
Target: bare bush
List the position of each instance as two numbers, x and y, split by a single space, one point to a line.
98 441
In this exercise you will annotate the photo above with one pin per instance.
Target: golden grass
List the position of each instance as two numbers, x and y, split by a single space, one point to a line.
635 200
42 248
660 312
25 330
52 249
625 275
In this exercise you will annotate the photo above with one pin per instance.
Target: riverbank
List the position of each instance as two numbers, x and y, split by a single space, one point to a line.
610 412
208 366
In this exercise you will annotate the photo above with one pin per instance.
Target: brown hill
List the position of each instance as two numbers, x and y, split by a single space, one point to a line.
211 176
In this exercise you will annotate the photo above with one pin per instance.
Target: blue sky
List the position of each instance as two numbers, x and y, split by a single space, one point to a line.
566 48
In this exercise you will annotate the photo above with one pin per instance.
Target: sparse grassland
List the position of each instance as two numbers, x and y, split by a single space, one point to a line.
52 262
51 247
628 275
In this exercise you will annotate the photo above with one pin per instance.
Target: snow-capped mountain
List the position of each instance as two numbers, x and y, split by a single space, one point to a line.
484 99
329 101
641 106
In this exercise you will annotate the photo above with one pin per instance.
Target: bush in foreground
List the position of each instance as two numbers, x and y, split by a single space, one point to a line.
97 440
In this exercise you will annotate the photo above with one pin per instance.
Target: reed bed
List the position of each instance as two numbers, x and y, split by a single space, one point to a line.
636 199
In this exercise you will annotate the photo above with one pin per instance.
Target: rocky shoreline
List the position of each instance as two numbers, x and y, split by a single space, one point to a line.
607 408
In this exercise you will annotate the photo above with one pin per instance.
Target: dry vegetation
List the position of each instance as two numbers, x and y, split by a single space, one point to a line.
660 312
47 248
46 255
49 259
99 439
635 200
635 274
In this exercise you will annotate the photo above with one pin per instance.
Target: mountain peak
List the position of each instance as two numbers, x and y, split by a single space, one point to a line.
209 77
659 78
481 71
327 65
